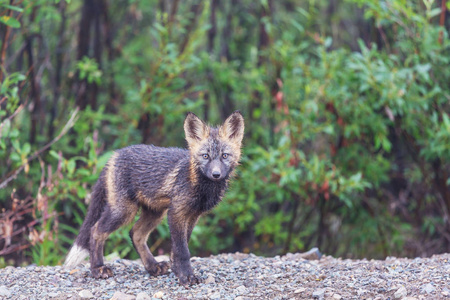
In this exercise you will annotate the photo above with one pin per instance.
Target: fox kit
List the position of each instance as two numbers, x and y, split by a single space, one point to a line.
182 183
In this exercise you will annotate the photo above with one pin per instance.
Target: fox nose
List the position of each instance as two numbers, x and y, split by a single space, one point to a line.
216 174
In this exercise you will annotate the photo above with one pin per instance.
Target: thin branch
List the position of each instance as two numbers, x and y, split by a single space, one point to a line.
196 9
442 20
13 249
173 12
5 44
68 125
383 36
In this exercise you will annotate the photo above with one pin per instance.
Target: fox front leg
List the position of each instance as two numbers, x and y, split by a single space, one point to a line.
180 225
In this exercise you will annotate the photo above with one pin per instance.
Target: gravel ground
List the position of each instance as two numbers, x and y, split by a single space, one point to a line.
242 276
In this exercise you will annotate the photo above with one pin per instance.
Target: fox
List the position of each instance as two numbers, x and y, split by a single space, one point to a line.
183 184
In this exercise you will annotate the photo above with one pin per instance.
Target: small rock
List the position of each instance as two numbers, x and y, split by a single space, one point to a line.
241 290
161 258
122 296
400 293
4 291
360 292
409 298
73 271
210 279
427 288
318 294
215 295
112 284
300 290
85 294
239 298
53 294
142 296
158 295
337 296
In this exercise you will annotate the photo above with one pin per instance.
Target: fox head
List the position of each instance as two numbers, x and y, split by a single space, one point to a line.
215 152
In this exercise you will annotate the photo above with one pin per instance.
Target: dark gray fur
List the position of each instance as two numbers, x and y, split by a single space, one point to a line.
182 183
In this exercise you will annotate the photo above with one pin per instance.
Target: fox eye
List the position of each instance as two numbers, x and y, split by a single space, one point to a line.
225 155
205 156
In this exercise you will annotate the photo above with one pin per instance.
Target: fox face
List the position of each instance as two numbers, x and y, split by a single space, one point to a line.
214 159
215 152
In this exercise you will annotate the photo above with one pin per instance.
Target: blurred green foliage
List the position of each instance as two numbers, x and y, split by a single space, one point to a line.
346 104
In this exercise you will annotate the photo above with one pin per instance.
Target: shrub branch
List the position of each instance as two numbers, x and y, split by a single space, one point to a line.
66 127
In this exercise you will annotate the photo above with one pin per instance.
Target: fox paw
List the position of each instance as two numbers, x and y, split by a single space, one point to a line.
189 279
101 272
160 268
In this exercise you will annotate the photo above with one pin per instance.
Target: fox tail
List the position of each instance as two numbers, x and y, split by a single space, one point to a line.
80 248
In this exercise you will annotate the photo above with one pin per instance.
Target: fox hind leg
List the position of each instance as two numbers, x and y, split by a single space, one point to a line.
139 234
110 220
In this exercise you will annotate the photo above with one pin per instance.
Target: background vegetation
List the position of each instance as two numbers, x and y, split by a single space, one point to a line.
346 103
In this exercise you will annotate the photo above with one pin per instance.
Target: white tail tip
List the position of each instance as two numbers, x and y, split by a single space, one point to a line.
75 257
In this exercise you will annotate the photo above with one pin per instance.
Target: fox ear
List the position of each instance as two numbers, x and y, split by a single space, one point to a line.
194 128
233 127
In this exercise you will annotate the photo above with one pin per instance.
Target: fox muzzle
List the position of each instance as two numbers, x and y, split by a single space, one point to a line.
215 171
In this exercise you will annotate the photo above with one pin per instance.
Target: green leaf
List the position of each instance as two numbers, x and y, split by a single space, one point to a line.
103 159
328 41
10 21
81 192
54 154
14 156
15 8
434 12
71 166
386 144
26 149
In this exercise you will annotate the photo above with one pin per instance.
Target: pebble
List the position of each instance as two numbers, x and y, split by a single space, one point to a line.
4 291
158 295
241 290
210 280
142 296
85 294
215 295
239 276
400 293
427 288
318 294
122 296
